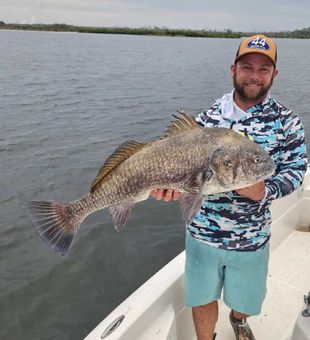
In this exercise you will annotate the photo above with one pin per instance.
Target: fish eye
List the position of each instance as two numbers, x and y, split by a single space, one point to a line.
227 163
257 159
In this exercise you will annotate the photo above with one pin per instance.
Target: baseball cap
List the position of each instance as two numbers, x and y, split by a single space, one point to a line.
258 44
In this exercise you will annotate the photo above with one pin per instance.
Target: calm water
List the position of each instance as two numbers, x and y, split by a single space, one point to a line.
66 102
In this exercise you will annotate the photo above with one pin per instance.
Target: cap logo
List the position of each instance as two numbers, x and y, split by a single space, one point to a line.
259 43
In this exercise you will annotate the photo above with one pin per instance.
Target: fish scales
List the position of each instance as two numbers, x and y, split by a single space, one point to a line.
195 161
163 163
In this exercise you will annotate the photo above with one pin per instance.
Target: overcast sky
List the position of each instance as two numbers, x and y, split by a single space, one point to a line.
244 15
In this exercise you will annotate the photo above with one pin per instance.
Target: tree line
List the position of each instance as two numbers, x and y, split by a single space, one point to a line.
303 33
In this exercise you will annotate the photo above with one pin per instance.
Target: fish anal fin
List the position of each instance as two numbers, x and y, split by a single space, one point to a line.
120 214
182 123
123 152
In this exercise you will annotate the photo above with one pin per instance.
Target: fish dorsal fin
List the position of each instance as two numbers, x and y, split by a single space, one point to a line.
182 123
123 152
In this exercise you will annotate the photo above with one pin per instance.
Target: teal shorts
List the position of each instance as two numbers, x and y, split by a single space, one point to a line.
242 276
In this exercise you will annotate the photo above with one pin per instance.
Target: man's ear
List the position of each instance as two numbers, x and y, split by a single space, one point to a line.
275 72
232 70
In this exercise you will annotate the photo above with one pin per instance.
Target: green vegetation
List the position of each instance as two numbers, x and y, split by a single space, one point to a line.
159 31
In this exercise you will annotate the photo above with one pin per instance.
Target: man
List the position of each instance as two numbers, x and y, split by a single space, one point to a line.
227 244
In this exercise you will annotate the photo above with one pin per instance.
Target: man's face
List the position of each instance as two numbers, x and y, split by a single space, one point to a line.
253 75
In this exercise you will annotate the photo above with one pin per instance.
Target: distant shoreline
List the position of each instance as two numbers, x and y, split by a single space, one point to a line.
303 33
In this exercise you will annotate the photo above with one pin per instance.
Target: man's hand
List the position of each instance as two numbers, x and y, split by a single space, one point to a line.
165 194
254 192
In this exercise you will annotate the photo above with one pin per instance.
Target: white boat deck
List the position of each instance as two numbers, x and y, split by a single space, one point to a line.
288 275
288 281
156 310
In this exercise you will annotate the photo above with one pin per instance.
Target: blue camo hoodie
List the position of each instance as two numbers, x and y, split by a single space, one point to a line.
233 222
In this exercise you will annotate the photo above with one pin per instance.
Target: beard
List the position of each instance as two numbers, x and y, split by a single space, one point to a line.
247 95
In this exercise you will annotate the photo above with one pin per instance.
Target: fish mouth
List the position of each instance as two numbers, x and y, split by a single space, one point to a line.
269 174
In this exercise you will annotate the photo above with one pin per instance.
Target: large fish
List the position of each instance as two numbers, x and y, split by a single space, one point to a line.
193 160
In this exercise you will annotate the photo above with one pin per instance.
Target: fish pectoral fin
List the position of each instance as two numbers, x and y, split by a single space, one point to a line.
190 205
120 214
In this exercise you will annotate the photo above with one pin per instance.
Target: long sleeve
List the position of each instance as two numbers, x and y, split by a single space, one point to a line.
292 164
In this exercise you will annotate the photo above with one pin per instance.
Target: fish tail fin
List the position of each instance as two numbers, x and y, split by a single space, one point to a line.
55 222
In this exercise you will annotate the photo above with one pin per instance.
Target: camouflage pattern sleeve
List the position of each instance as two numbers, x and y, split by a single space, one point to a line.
292 163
